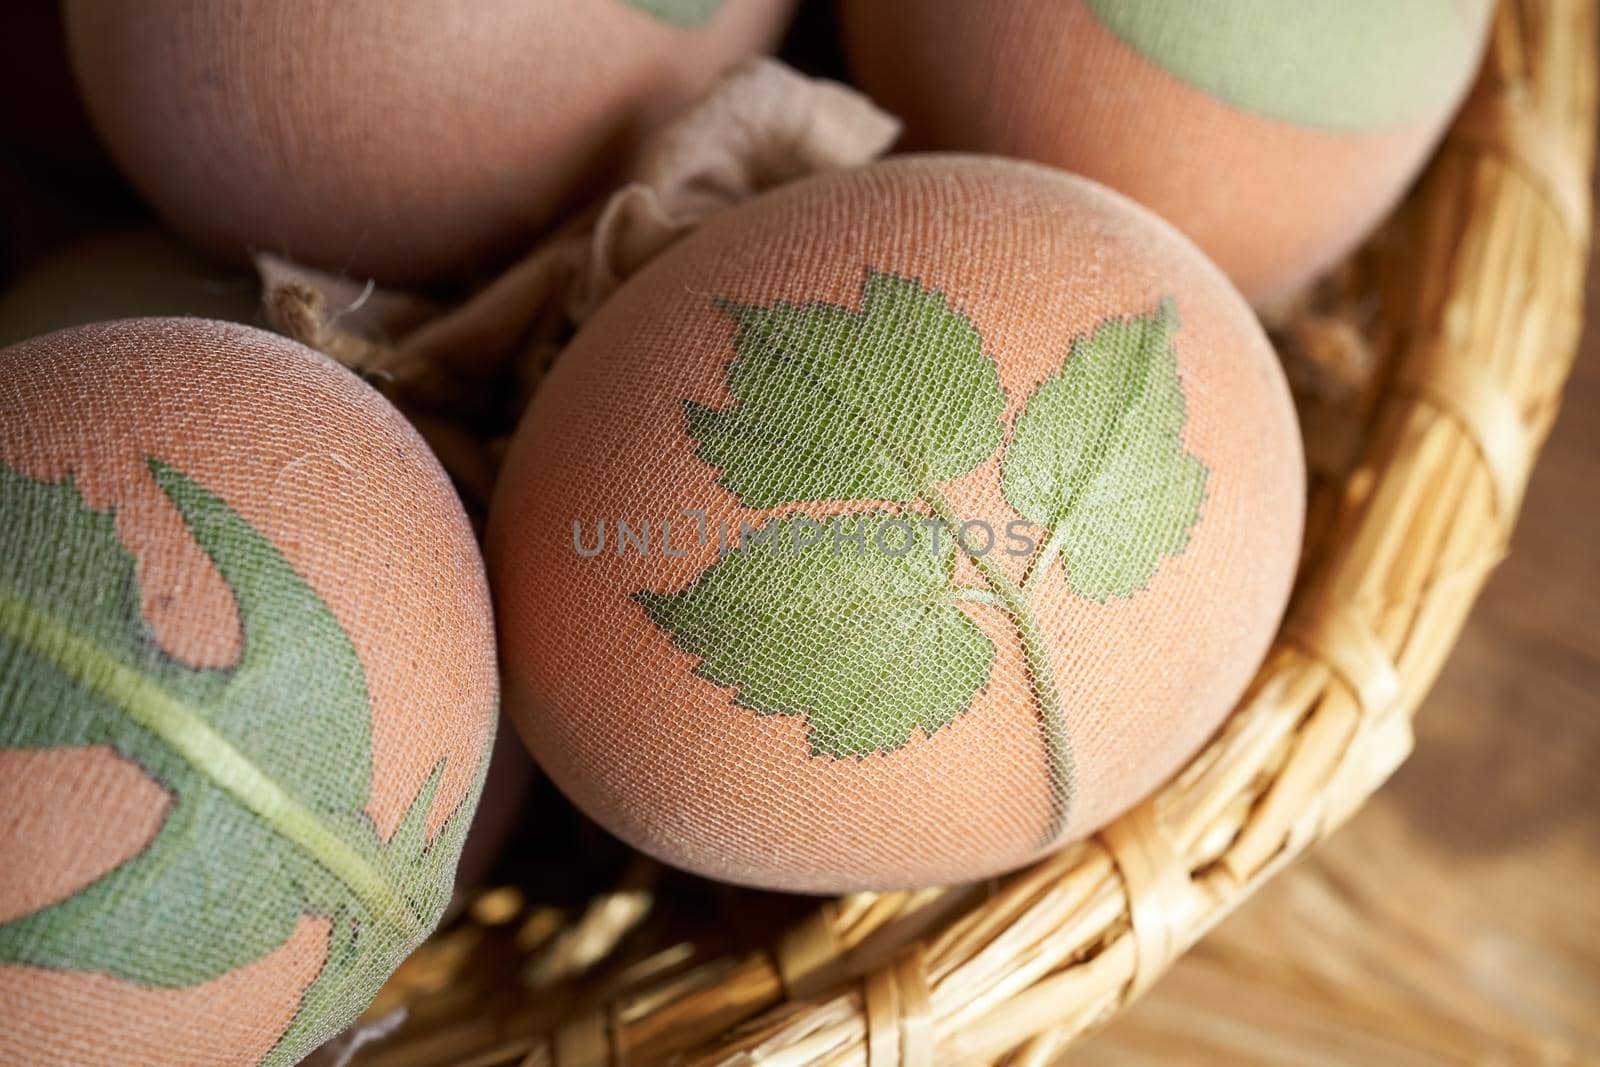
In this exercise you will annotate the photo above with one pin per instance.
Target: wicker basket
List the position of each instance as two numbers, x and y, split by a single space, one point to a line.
1467 309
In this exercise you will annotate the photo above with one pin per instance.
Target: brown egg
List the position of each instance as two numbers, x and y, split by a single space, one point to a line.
118 274
1276 135
948 505
405 141
247 691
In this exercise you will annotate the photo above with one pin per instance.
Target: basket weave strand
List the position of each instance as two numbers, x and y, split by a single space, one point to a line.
1478 290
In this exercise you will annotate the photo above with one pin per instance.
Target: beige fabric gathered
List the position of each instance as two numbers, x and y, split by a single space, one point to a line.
762 125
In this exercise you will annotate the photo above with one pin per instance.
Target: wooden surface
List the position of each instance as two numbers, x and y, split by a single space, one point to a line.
1457 918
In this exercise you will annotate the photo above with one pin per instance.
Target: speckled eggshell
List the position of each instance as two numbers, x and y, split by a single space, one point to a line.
405 141
247 679
725 770
1276 135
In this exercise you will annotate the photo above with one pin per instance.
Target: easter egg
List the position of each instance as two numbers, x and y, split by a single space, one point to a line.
247 691
404 141
129 273
1276 135
894 528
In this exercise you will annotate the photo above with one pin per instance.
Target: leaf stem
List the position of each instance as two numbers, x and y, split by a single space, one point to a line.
1039 566
184 729
1052 716
972 595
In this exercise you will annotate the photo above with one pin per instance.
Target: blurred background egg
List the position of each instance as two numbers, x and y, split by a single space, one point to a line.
1275 134
403 141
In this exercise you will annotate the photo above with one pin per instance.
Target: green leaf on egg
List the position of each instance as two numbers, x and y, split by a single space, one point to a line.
1349 66
690 13
867 643
836 404
1097 455
883 405
268 764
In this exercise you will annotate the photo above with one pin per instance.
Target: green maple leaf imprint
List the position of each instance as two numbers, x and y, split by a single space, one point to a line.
268 764
885 404
690 13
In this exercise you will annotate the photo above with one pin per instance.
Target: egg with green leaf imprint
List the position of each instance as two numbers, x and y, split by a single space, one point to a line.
247 687
895 527
1275 133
